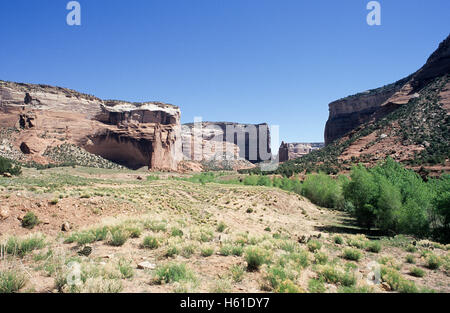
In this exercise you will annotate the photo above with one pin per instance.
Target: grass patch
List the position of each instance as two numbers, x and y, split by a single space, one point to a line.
11 281
255 257
373 246
173 272
352 254
150 243
417 272
21 247
314 245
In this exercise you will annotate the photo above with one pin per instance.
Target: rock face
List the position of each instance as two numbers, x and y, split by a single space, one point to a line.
289 151
226 141
348 113
131 134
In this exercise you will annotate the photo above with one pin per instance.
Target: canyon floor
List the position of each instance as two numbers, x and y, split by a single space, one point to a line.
152 232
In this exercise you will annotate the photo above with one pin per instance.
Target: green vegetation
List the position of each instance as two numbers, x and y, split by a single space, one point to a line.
11 281
255 257
7 166
417 272
150 243
173 272
20 247
314 245
30 220
351 254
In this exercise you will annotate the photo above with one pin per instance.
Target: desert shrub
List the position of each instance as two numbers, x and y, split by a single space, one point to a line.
150 243
188 250
332 275
433 261
314 245
255 257
316 286
237 273
6 166
134 232
172 251
320 258
276 275
410 259
125 268
11 281
338 240
221 227
172 272
30 220
351 254
207 251
288 286
117 237
21 247
373 246
176 232
417 272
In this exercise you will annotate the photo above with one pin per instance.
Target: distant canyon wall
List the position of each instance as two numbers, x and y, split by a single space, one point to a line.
290 151
226 140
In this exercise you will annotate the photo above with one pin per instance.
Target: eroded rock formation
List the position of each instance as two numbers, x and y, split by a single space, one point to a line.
131 134
349 113
226 140
289 151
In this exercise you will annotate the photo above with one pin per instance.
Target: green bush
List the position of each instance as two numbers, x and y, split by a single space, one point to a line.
338 240
118 237
323 190
417 272
11 281
150 243
6 166
176 232
206 252
255 257
433 261
21 247
30 220
221 227
373 246
172 272
314 245
351 254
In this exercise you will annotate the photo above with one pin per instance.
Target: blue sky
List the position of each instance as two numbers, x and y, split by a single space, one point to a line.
252 61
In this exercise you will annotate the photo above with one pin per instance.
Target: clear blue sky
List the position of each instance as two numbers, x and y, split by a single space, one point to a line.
252 61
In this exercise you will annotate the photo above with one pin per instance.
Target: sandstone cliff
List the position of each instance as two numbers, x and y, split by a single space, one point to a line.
131 134
226 141
289 151
349 113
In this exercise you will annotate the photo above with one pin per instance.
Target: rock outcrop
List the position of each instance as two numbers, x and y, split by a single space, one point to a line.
289 151
131 134
226 141
349 113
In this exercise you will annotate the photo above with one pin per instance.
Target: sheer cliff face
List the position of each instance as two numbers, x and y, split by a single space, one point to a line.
349 113
131 134
225 140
